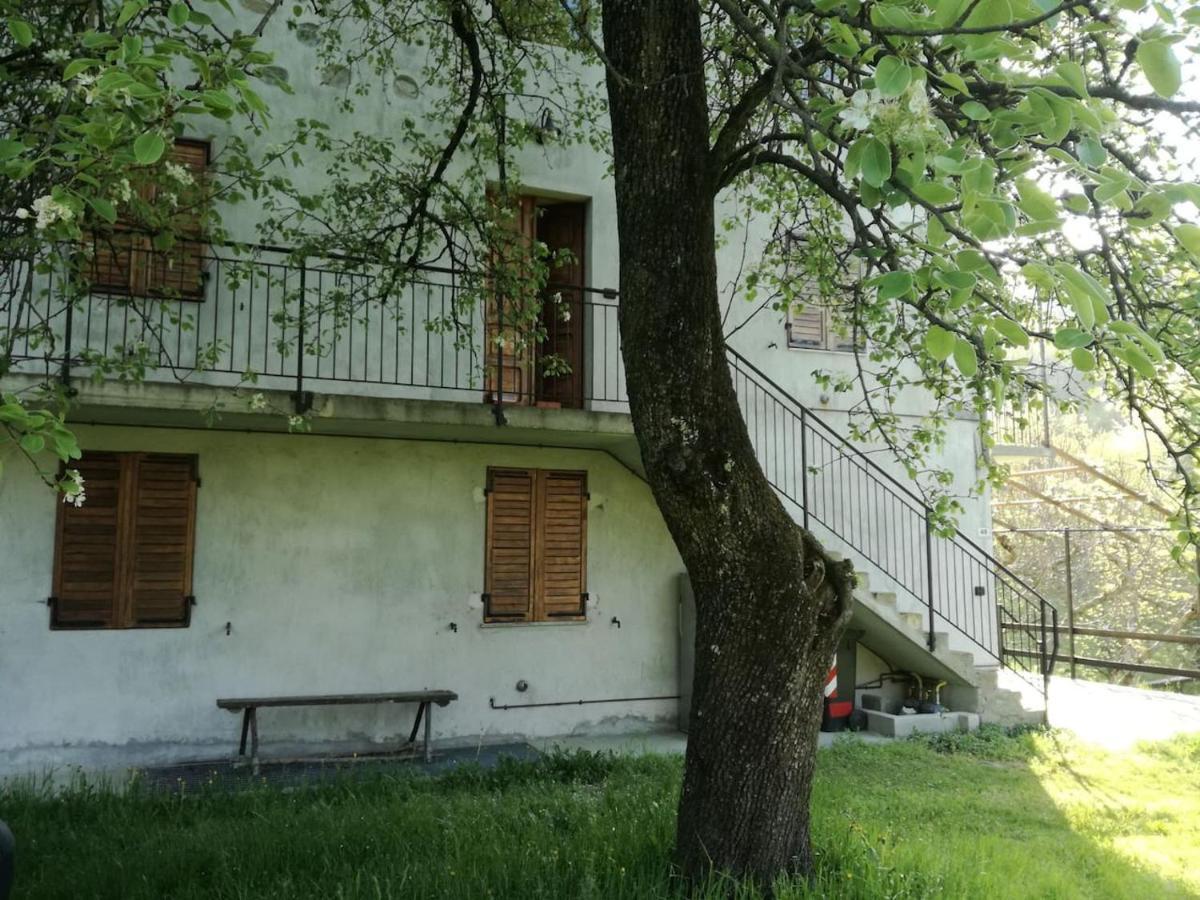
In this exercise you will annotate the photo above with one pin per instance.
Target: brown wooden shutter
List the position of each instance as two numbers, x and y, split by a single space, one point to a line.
161 542
562 544
806 326
509 563
124 558
510 371
179 272
87 548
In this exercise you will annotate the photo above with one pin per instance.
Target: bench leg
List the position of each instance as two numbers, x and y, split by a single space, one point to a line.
412 735
253 740
245 731
428 727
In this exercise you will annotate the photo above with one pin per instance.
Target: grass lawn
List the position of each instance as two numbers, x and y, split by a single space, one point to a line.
965 816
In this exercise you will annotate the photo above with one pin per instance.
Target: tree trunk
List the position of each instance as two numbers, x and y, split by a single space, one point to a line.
770 605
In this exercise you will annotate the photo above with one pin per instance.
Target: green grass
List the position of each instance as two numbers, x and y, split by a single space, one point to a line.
985 816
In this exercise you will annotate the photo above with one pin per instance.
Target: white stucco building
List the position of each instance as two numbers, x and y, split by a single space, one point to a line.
410 539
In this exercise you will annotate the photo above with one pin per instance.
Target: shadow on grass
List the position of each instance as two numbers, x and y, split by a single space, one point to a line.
901 820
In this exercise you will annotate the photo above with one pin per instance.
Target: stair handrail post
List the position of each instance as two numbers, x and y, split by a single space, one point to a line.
804 464
932 640
1070 597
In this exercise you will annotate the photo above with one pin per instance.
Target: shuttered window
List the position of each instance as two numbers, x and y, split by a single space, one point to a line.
536 557
124 558
812 326
125 262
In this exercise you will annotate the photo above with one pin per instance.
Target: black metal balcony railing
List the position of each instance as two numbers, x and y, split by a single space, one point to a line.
263 318
435 336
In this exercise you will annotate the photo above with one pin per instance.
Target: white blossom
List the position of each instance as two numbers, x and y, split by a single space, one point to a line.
22 213
861 110
58 55
56 92
258 401
50 211
178 173
72 485
124 191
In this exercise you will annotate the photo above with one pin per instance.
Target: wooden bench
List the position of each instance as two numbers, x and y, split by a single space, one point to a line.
249 707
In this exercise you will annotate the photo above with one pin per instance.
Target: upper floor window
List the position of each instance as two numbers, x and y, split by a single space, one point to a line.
126 260
812 326
535 568
123 557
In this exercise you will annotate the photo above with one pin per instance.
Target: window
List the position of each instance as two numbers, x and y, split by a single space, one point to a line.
535 356
812 326
536 557
125 262
124 558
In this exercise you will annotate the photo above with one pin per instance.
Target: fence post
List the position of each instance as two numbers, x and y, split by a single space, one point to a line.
303 400
68 328
929 575
804 464
1070 598
498 395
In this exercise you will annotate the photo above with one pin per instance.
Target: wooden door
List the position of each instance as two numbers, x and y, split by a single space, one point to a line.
560 226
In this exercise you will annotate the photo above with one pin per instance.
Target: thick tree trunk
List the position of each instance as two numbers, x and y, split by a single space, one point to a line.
770 605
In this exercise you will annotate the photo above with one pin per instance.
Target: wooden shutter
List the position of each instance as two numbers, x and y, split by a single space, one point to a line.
123 261
561 227
509 564
160 557
124 558
87 548
508 351
806 326
562 544
179 272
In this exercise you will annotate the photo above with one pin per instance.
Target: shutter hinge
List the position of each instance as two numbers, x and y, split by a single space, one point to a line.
190 600
198 482
50 601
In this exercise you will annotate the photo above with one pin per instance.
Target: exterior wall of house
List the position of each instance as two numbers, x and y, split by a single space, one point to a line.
339 565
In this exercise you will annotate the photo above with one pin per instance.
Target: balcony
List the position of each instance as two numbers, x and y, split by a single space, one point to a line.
263 321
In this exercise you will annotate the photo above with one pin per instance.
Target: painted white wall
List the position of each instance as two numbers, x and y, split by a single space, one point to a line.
339 564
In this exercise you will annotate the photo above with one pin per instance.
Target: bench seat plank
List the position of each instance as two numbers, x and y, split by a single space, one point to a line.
441 698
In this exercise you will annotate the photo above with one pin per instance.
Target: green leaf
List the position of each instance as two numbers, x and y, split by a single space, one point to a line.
10 149
1070 338
975 111
178 14
1139 360
892 76
1035 202
128 10
1082 359
876 162
965 358
75 66
1072 73
35 443
1189 236
20 31
149 148
939 343
1161 67
1011 331
103 208
894 284
935 192
1091 152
